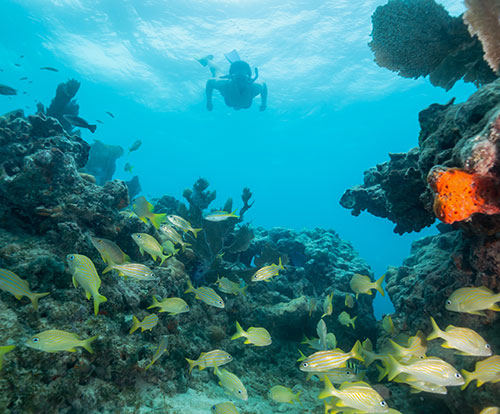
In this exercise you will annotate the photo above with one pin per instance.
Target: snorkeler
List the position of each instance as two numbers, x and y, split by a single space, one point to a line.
239 87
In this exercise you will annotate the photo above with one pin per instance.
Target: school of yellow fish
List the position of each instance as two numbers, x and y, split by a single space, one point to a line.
345 390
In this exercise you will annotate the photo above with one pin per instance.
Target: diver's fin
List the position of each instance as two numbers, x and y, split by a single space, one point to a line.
232 56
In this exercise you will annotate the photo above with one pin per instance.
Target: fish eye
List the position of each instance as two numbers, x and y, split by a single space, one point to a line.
71 257
151 275
214 407
448 302
383 403
220 302
36 340
305 365
348 372
229 357
138 236
458 376
488 346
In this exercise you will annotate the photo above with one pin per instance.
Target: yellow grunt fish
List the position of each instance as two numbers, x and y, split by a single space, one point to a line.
173 306
169 248
171 234
217 216
85 274
322 361
224 408
150 245
5 350
231 383
267 272
487 370
346 320
282 394
490 410
388 325
473 300
254 336
162 348
417 347
230 287
55 341
12 283
205 294
147 324
134 270
467 341
183 224
110 252
349 301
212 359
350 373
144 210
327 305
363 284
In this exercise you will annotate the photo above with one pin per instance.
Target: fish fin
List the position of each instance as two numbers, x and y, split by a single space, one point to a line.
149 365
329 390
247 341
191 363
155 303
239 332
35 296
468 377
88 294
479 383
494 307
195 232
109 269
309 375
244 290
75 283
355 352
18 297
280 264
357 295
71 350
157 219
144 219
190 287
296 396
104 259
87 343
393 367
163 257
436 332
127 258
98 299
382 372
154 258
354 320
460 352
378 284
92 128
479 312
495 381
141 250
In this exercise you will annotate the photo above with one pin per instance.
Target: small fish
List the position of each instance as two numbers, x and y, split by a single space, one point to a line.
144 210
358 395
110 114
205 294
314 343
55 340
12 283
322 361
173 306
224 408
212 359
7 90
327 305
267 272
345 319
150 245
312 306
169 248
79 122
85 274
134 270
110 252
420 386
467 341
487 370
135 146
5 350
254 336
217 216
128 168
490 410
349 301
148 323
17 65
282 394
230 287
363 284
231 383
49 68
473 300
417 347
162 348
350 373
182 224
388 325
322 332
98 120
23 78
171 234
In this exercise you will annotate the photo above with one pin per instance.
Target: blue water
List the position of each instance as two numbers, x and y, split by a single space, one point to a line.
332 112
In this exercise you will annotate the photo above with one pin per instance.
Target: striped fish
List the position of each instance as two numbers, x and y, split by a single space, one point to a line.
110 252
12 283
144 209
230 287
487 370
466 340
322 361
183 224
172 305
267 272
350 373
147 324
205 294
231 383
171 234
217 216
418 386
358 395
212 359
162 348
327 305
473 300
254 336
4 350
134 270
417 347
85 274
490 410
150 245
224 408
55 340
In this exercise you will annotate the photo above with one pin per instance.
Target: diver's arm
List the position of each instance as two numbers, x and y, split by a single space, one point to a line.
263 95
209 89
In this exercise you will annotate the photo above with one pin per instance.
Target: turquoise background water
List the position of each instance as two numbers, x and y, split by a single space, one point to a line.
332 112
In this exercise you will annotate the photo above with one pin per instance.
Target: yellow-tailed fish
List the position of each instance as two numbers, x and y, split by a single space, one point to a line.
349 301
231 383
169 248
433 370
171 234
254 336
267 272
363 284
217 216
173 306
144 210
282 394
350 373
12 283
487 370
150 245
230 287
314 343
183 225
212 359
387 324
134 270
5 350
467 341
417 347
85 274
205 294
55 341
162 348
147 324
346 320
328 360
109 251
473 300
358 395
490 410
327 305
224 408
418 386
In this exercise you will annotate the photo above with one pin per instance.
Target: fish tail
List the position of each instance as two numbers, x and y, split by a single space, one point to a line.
163 258
98 299
393 367
195 232
239 332
368 356
382 372
296 397
135 325
184 245
244 290
354 320
356 352
127 258
468 377
436 332
155 303
329 390
87 343
108 269
233 214
92 128
191 363
157 219
280 264
378 285
35 296
190 287
302 356
398 348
